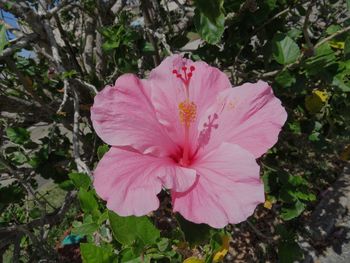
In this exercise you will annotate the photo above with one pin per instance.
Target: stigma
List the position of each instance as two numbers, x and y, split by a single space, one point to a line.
187 112
186 75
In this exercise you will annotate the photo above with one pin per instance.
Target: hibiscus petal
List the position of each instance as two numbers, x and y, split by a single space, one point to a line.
130 181
123 115
168 91
228 188
249 115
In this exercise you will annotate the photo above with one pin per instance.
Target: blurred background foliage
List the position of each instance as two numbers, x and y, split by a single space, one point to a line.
56 54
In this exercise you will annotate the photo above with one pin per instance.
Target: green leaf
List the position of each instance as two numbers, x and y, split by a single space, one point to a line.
289 252
320 63
148 47
18 135
211 9
285 79
68 74
88 203
342 79
162 244
128 256
18 158
314 137
85 229
293 211
208 30
294 33
94 254
67 185
266 182
295 127
35 213
12 193
143 230
285 50
348 4
297 180
304 195
3 39
333 29
80 180
102 218
194 233
347 47
101 150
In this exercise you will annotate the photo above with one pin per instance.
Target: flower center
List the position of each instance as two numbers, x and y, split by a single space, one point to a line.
187 110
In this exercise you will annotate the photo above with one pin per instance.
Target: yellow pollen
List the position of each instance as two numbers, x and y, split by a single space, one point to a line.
187 112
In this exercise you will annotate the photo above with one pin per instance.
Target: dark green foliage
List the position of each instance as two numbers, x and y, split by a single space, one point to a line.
249 40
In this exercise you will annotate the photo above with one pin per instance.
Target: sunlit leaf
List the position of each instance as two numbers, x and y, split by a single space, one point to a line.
285 49
91 253
80 180
142 229
17 135
208 30
3 39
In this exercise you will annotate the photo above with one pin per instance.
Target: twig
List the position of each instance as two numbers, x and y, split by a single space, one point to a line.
27 84
338 33
23 182
285 11
17 44
82 167
301 56
49 219
258 232
61 6
65 96
17 249
161 37
309 45
89 86
145 6
118 6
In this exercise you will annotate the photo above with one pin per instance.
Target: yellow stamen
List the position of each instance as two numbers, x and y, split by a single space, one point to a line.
187 112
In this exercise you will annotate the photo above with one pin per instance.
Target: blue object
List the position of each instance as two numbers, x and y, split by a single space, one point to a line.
71 240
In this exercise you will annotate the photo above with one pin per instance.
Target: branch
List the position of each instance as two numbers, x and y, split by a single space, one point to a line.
184 23
61 6
27 85
82 167
310 46
10 168
65 97
17 44
145 6
84 84
118 6
21 9
11 233
285 11
90 26
50 219
338 33
258 232
302 55
16 7
161 37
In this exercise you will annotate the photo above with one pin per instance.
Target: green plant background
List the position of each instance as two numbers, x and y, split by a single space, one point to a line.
302 48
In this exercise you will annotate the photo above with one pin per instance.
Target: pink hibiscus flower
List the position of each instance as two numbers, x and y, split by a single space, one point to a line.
185 129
